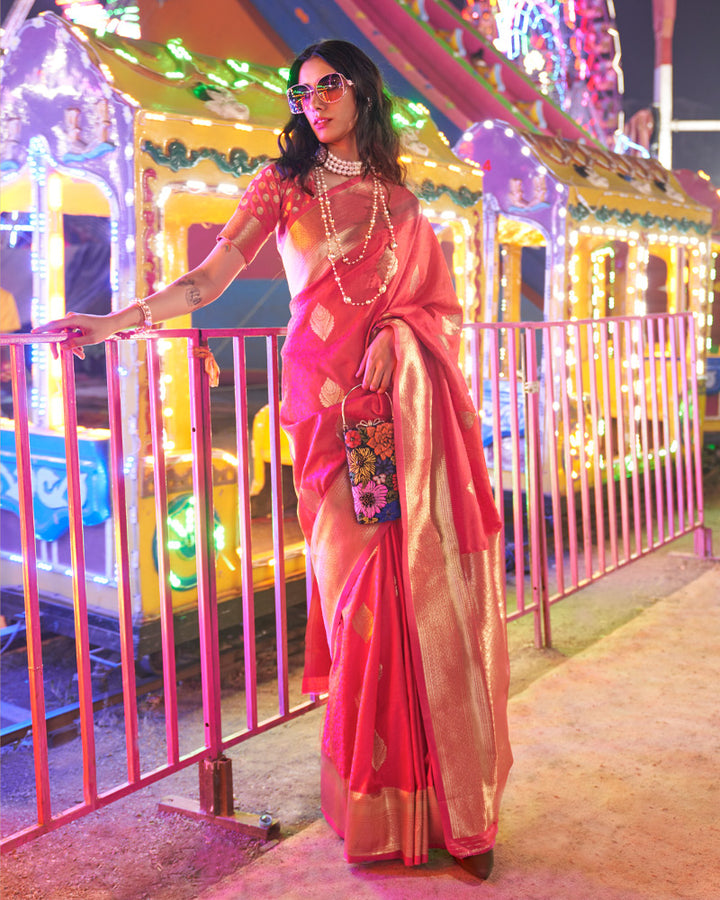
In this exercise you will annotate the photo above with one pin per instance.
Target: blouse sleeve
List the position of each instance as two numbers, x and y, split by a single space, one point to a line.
257 214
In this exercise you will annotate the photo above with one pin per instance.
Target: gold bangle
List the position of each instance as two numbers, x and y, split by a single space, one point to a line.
147 322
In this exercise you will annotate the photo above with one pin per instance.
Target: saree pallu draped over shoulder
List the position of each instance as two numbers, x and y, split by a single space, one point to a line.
406 627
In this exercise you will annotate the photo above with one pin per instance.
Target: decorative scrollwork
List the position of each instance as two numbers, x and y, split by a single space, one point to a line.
626 218
429 192
177 156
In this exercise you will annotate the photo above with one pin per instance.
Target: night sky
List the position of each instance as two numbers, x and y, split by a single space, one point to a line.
696 70
696 56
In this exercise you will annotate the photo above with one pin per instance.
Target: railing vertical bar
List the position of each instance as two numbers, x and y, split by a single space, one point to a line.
653 356
622 455
582 452
518 530
473 348
30 584
634 479
567 462
309 581
278 523
125 617
663 339
645 449
496 429
534 493
550 445
609 448
676 427
246 566
687 443
167 622
697 442
592 331
79 588
201 427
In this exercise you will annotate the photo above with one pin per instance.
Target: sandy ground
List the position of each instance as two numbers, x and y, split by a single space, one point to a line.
615 790
614 793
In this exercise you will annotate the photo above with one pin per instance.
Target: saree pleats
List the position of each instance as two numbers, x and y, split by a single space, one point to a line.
376 782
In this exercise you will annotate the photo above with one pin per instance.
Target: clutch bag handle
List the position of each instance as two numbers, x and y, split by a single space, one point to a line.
350 392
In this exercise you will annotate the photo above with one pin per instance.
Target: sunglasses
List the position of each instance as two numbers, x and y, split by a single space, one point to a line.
330 88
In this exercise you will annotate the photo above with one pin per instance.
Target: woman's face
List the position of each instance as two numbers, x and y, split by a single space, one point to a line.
333 123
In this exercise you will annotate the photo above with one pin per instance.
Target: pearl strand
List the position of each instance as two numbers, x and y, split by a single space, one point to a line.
332 237
331 230
342 166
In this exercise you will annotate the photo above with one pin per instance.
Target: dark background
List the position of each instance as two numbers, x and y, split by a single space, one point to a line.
696 70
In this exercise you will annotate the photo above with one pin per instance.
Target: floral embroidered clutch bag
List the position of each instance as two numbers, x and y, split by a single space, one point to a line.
370 450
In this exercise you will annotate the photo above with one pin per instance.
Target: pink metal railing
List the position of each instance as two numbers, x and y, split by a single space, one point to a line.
593 452
611 444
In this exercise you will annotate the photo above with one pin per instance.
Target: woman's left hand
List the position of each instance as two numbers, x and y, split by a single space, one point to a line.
378 363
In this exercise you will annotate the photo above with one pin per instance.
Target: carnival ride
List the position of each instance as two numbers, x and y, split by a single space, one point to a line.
698 186
159 143
140 140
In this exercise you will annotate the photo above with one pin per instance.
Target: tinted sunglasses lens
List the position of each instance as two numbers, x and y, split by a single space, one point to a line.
331 87
297 95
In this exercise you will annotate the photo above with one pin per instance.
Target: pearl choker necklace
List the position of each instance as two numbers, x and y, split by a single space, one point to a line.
341 166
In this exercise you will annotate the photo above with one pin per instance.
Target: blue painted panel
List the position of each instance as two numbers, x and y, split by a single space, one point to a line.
47 456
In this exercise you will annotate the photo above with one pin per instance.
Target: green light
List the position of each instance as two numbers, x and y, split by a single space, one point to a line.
182 546
174 75
284 73
175 47
273 87
241 83
128 56
218 79
241 68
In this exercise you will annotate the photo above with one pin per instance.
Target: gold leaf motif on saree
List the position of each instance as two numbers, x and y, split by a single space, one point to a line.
322 322
452 324
331 393
363 622
379 752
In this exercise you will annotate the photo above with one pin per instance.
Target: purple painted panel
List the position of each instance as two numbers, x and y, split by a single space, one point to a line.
515 181
55 95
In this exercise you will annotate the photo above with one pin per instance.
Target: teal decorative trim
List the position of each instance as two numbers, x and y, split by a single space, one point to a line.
236 162
429 192
645 221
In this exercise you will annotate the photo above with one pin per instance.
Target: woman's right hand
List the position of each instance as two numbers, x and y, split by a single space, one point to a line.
81 329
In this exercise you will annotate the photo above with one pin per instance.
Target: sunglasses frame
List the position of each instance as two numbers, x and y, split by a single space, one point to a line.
313 91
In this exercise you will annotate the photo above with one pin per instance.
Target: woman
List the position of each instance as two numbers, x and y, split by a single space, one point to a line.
406 627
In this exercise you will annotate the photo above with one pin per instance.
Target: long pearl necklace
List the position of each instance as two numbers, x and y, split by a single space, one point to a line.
341 166
335 245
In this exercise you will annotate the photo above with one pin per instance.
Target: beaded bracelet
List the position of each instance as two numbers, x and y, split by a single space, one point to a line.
147 323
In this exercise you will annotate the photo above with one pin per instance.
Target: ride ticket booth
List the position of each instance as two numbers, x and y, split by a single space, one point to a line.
150 147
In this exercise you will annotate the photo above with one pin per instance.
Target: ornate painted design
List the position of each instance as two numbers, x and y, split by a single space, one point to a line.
177 156
626 218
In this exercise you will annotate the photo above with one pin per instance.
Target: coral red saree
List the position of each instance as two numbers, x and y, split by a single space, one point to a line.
406 628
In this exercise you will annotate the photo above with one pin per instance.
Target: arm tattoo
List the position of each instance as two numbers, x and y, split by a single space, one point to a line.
192 294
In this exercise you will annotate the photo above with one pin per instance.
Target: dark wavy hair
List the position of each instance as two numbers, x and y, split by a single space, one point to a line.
378 142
